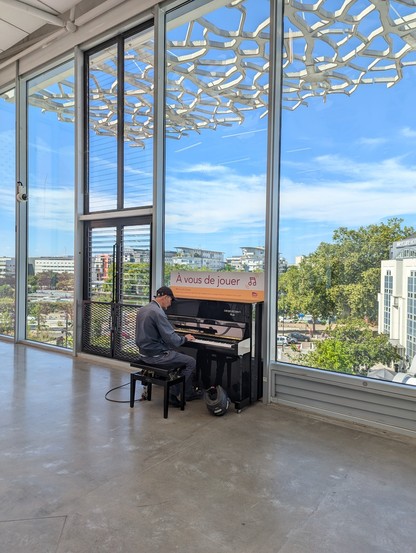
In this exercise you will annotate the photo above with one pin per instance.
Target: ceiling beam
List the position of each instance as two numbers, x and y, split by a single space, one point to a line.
36 12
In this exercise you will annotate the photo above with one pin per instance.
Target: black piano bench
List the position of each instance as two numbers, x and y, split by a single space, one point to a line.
153 374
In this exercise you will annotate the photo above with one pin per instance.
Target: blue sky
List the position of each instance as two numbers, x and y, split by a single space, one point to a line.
216 188
346 161
350 161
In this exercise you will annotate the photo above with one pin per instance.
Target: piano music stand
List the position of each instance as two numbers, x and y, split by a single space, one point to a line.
152 374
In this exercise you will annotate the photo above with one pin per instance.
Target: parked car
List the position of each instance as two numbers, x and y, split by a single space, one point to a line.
286 319
298 337
281 340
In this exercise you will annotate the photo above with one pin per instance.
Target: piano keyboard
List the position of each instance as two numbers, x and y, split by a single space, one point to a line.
213 343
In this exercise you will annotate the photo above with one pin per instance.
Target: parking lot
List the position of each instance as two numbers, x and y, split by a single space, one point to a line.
288 348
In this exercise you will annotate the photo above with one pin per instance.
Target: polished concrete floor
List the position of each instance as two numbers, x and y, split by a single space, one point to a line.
81 474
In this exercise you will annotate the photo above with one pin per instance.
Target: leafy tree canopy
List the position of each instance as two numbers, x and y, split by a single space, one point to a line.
352 347
342 278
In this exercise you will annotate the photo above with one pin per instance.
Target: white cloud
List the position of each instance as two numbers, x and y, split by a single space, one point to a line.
408 132
52 210
339 192
206 168
243 133
188 147
218 199
359 194
372 142
298 150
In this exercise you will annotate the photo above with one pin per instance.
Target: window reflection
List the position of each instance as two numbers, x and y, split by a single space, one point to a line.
102 130
216 129
347 191
138 119
50 153
120 123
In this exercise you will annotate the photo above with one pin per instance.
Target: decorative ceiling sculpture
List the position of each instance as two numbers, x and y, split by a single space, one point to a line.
215 74
360 42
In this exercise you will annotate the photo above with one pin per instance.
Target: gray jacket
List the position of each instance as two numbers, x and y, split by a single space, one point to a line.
154 332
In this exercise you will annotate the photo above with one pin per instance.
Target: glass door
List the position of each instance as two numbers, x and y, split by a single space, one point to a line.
7 212
117 282
46 206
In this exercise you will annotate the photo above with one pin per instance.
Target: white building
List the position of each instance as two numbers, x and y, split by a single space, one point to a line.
299 259
196 258
54 264
252 259
397 298
7 266
99 267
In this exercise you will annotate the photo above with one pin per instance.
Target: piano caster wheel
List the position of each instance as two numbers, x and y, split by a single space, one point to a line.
238 410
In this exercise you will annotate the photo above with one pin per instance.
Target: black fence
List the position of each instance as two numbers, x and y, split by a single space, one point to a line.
108 330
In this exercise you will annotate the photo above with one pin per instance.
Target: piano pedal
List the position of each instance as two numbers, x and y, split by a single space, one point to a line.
144 393
148 373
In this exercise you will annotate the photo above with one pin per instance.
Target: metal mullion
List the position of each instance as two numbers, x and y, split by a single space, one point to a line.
87 263
272 200
21 209
81 87
86 118
120 123
158 228
118 263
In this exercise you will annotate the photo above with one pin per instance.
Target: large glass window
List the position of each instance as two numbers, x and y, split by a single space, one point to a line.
103 129
120 123
388 292
119 179
118 263
411 316
7 212
347 200
50 186
138 119
216 137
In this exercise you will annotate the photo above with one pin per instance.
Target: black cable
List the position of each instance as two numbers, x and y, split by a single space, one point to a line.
119 400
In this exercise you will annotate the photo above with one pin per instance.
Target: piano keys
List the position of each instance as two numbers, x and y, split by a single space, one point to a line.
226 346
242 347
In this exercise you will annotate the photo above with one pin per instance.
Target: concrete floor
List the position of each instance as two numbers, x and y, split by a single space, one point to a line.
79 474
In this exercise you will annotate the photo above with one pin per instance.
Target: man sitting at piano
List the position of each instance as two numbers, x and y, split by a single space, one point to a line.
156 339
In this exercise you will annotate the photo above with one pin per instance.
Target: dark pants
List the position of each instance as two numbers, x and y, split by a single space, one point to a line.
172 358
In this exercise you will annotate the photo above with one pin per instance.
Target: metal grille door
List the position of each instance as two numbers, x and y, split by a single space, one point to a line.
117 283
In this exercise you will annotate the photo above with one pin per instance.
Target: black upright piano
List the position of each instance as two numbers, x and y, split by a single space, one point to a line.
227 345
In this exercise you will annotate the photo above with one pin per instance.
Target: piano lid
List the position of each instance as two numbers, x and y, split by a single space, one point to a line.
211 310
227 330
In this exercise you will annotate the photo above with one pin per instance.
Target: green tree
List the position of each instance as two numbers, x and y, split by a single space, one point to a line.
47 280
366 247
135 283
7 316
65 281
6 291
360 253
342 278
35 310
306 288
351 347
32 283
